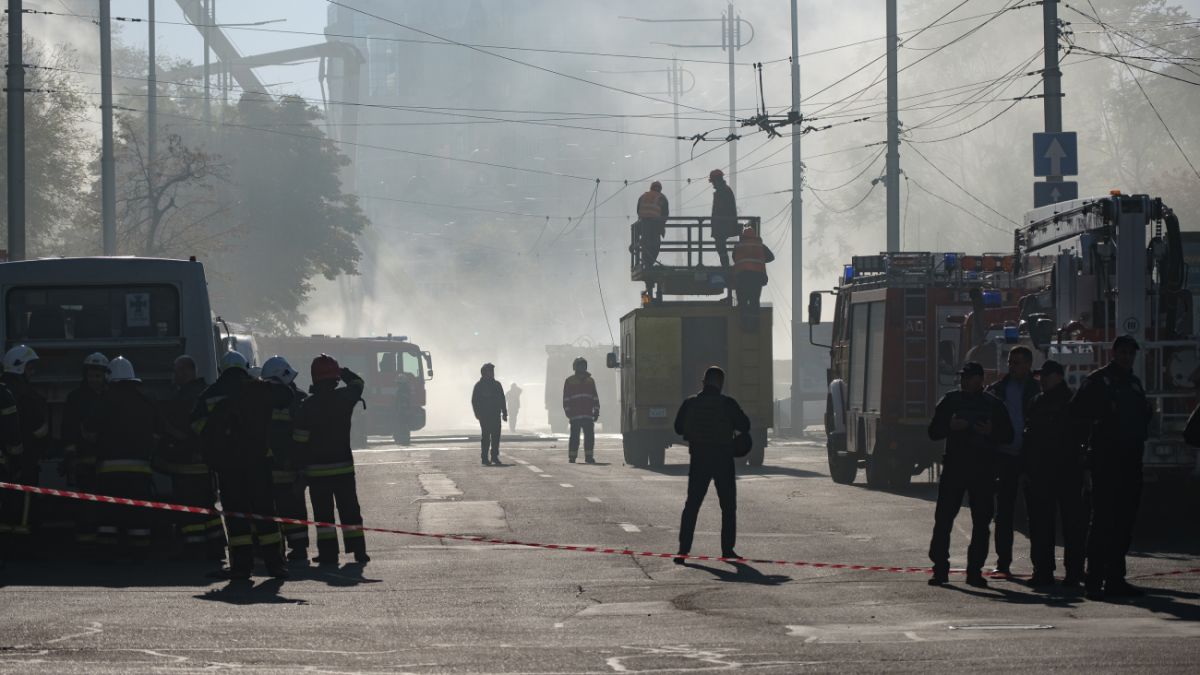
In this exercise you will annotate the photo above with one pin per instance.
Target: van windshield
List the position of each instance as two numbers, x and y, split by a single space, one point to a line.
92 313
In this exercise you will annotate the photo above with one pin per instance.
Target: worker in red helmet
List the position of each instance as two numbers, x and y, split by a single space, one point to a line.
750 258
724 214
323 427
653 209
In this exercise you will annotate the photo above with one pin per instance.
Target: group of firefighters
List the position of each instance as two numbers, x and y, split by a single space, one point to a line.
1041 433
254 443
750 254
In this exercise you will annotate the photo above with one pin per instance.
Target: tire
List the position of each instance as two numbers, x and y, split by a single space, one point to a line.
634 450
843 469
901 474
879 472
757 454
657 456
402 437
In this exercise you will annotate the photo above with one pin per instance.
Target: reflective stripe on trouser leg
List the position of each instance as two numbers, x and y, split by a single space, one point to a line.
289 503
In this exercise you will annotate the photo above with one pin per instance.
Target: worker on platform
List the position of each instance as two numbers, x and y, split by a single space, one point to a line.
581 404
724 214
750 258
1016 389
324 428
709 422
1112 403
20 508
489 406
973 423
1054 461
653 209
123 424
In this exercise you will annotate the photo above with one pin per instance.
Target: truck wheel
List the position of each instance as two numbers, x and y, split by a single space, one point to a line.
657 456
402 437
634 451
843 469
901 474
879 472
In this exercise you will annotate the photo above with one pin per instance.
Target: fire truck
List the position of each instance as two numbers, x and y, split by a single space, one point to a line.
903 324
1093 269
678 332
394 369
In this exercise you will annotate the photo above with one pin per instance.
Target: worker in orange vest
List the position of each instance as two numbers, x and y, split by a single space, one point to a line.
750 258
653 209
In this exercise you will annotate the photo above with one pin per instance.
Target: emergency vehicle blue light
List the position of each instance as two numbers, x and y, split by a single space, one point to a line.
847 272
1011 333
950 261
992 299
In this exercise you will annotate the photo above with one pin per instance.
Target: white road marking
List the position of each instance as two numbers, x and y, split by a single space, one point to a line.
567 485
630 527
558 625
533 468
594 500
545 475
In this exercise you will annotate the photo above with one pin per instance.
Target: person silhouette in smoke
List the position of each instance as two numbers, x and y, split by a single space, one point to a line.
487 400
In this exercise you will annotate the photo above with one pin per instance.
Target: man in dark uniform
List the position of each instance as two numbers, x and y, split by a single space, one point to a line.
183 459
973 423
487 401
724 214
708 422
1016 389
79 454
123 424
1112 404
324 427
10 453
1054 461
237 438
287 459
20 508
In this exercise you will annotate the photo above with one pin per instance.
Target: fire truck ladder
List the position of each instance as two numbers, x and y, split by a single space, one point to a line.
916 365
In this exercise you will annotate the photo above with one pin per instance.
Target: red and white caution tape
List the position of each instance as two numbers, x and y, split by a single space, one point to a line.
164 506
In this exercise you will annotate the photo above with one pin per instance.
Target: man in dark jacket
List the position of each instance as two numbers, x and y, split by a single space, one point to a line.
182 458
123 424
708 422
724 214
487 401
1054 461
323 429
1112 404
20 509
1016 390
973 423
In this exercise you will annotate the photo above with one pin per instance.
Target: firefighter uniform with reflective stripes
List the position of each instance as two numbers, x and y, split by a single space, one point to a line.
287 474
80 458
202 535
11 449
23 465
323 428
237 437
581 404
750 258
123 424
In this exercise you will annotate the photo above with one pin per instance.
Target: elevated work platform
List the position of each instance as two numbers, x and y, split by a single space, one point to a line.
685 260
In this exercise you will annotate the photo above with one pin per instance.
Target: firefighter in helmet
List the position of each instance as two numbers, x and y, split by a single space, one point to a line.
653 209
287 458
23 467
750 258
183 459
581 404
323 432
79 454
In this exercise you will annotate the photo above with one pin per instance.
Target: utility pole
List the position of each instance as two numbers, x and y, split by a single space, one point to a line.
204 10
108 172
797 232
893 132
1052 76
151 93
16 132
675 83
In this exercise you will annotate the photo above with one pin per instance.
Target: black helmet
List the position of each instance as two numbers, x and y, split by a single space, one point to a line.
579 365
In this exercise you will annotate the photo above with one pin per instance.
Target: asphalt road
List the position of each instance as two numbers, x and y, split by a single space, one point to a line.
429 606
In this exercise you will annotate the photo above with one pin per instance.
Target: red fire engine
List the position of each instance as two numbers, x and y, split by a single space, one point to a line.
902 326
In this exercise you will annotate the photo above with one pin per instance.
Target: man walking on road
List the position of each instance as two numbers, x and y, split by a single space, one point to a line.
708 422
581 404
487 400
1113 405
973 423
1016 390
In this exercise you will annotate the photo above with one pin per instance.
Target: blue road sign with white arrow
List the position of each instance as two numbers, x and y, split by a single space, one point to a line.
1045 194
1055 154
